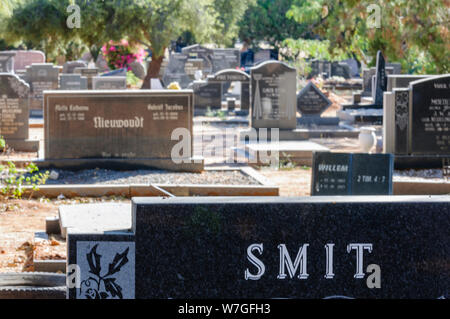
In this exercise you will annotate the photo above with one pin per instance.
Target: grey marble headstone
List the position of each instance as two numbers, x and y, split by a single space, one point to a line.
397 67
14 113
191 66
138 69
368 74
429 107
311 101
87 72
109 83
351 174
41 77
401 81
70 66
7 61
72 82
273 96
227 76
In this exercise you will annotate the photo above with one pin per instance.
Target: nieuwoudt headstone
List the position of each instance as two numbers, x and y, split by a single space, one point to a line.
351 174
26 58
273 98
247 247
7 61
72 82
109 83
429 113
14 113
122 128
41 77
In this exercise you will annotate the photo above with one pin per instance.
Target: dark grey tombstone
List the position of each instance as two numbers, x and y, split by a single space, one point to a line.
70 66
397 67
223 59
7 61
401 109
380 80
367 81
429 113
353 65
232 75
14 113
351 174
320 68
311 101
207 95
175 70
273 98
197 51
266 248
87 72
41 77
109 83
122 128
341 70
72 82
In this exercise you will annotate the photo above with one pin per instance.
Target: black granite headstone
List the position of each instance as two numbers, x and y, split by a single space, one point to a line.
351 174
231 248
381 80
429 107
311 101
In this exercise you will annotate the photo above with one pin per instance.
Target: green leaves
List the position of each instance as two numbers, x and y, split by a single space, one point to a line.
14 180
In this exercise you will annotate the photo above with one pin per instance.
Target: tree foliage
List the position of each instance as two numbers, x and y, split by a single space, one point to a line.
266 21
413 32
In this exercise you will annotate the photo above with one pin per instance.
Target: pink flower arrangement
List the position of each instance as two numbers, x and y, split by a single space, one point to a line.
120 55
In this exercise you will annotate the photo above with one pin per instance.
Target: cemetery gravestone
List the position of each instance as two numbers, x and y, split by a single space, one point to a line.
400 81
429 113
247 247
70 66
273 99
175 70
206 95
14 113
26 58
352 174
320 68
72 82
223 59
119 129
138 69
381 80
7 61
311 102
401 120
368 74
191 66
199 52
41 77
232 75
341 70
109 83
89 73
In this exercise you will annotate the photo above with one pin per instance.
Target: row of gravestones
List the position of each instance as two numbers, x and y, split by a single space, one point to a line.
183 66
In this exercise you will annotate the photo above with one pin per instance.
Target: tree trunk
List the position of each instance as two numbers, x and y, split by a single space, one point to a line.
153 71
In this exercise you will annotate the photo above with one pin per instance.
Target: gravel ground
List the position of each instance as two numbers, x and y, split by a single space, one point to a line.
419 175
102 176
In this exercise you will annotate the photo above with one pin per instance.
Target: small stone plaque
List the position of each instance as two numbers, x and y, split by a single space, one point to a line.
311 101
109 83
72 82
351 174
